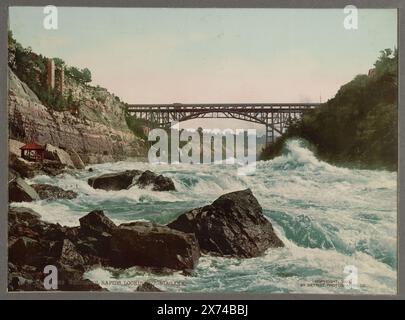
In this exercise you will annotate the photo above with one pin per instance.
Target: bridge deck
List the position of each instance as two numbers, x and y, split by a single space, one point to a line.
275 116
221 107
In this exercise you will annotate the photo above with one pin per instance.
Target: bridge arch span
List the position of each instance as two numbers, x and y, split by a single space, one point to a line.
275 116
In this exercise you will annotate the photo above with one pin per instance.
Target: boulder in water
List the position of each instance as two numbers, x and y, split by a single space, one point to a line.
20 191
53 168
24 250
96 223
143 244
233 225
58 154
23 167
158 182
77 161
49 192
19 215
66 253
114 181
150 245
126 179
147 287
33 244
71 279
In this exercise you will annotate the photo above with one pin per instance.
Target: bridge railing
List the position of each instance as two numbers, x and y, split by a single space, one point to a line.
228 107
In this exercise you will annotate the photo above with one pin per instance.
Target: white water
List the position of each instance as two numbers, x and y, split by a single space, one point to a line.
328 218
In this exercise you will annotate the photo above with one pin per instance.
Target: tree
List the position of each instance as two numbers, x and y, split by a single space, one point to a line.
82 76
59 62
86 75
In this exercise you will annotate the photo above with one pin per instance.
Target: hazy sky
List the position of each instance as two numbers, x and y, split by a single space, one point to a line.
212 55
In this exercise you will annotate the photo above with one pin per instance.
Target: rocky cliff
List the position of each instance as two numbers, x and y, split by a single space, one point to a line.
97 131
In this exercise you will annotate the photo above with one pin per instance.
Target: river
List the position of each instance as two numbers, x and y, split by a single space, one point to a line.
328 217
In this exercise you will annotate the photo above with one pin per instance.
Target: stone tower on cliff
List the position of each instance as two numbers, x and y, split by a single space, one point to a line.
50 79
51 69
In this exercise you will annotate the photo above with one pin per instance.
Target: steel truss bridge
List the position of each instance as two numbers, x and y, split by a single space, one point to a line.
274 116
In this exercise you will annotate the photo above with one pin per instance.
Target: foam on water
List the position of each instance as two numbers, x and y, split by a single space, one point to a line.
327 216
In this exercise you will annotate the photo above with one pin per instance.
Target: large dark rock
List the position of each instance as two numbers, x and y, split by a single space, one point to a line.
151 245
52 168
49 192
24 168
66 253
24 250
33 244
233 225
53 232
96 223
114 181
20 191
136 244
59 155
23 222
94 235
147 287
71 279
158 182
19 215
77 161
24 278
126 179
29 169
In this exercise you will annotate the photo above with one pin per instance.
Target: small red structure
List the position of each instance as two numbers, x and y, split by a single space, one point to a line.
32 152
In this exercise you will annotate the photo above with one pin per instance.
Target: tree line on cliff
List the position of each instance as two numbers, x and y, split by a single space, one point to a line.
359 126
31 68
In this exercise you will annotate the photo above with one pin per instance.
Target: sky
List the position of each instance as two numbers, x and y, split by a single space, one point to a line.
160 55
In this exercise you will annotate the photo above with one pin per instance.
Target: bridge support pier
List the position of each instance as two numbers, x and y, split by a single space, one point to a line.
270 129
269 135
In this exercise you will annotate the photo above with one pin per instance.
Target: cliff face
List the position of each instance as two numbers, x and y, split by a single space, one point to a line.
96 104
97 132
